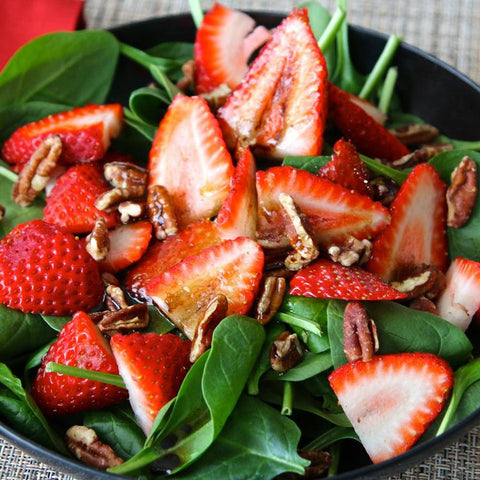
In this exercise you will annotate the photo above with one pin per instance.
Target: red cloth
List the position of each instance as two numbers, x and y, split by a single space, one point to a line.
23 20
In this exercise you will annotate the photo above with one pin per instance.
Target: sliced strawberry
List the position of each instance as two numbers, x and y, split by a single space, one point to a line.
238 215
80 344
160 256
416 234
45 270
460 300
369 108
392 399
370 137
85 132
347 169
333 212
190 160
128 243
224 43
281 105
327 279
233 269
153 367
71 203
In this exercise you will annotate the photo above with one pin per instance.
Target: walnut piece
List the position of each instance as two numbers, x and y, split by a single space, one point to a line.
133 317
415 134
131 211
161 212
83 442
462 193
98 242
270 298
352 252
285 352
36 173
426 280
421 155
360 340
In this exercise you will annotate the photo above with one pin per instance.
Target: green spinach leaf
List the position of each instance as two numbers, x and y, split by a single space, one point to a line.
148 104
311 365
310 164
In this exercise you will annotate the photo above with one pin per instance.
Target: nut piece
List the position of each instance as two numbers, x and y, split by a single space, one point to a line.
128 176
98 242
424 305
285 352
462 193
426 280
161 212
352 252
421 155
216 98
415 134
35 174
110 200
188 70
305 250
384 190
360 340
85 445
114 296
131 211
133 317
270 298
215 312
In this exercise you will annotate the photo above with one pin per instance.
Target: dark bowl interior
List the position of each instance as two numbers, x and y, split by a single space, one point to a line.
427 87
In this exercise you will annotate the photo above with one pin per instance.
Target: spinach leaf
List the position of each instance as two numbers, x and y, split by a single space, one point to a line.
57 68
146 130
310 164
21 333
257 442
148 104
401 329
158 322
54 322
375 166
332 436
312 364
463 241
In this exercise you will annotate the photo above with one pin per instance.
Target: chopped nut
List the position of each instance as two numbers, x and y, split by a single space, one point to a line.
130 211
415 134
98 242
2 212
352 252
128 176
285 352
161 212
421 155
462 193
360 339
216 98
35 174
83 442
214 314
133 317
114 296
270 298
424 304
304 247
110 200
384 190
188 70
426 280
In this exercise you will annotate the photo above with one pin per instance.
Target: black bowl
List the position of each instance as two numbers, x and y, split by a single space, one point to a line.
427 87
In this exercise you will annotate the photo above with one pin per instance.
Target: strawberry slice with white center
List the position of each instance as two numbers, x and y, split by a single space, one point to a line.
189 158
460 300
238 215
224 43
233 269
392 399
416 234
128 243
280 108
333 212
85 133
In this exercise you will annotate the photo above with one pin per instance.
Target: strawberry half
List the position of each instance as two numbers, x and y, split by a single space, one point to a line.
80 344
85 132
128 243
280 107
190 159
153 367
224 43
327 279
160 256
238 215
392 399
45 270
460 300
71 203
233 269
370 137
347 169
333 212
416 234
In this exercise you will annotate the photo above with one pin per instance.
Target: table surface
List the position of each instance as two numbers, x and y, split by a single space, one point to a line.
447 29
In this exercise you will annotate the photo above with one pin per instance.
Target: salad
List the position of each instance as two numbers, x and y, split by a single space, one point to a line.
247 270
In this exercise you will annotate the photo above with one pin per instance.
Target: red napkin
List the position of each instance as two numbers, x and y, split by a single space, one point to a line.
23 20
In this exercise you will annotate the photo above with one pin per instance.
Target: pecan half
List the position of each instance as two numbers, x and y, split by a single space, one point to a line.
215 312
110 200
98 242
36 173
133 317
305 250
114 296
426 280
360 339
83 442
415 134
161 212
421 155
131 211
462 193
352 252
285 352
128 176
270 298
